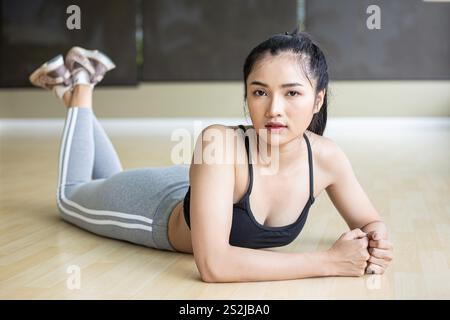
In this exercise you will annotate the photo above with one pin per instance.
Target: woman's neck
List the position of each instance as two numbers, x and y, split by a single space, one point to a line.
280 159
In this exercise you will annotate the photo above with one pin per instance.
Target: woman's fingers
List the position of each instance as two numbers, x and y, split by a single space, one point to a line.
374 269
354 234
381 254
380 262
381 244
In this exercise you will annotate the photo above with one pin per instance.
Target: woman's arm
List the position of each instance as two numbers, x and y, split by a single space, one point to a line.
355 207
344 189
211 207
238 264
347 257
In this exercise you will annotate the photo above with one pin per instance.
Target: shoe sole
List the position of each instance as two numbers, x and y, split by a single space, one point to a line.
95 55
47 67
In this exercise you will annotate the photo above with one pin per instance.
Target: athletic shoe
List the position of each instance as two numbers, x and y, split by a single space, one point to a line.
94 62
53 75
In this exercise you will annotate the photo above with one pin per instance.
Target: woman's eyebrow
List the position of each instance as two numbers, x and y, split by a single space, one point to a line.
293 84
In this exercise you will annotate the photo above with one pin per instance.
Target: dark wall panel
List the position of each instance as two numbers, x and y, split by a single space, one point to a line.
413 42
33 31
208 40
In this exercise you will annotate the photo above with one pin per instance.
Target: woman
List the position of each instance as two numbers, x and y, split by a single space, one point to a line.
224 212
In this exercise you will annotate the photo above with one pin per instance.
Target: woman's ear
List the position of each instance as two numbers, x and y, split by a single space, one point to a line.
319 100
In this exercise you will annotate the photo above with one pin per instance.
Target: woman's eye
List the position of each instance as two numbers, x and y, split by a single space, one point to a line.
257 92
261 93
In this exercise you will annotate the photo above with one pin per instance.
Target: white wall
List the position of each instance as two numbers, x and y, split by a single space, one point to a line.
225 99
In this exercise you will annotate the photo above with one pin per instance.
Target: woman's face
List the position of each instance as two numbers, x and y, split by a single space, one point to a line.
277 90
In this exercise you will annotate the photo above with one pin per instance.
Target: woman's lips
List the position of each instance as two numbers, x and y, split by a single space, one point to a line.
275 128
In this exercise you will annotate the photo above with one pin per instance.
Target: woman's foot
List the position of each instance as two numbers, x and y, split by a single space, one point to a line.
53 75
88 67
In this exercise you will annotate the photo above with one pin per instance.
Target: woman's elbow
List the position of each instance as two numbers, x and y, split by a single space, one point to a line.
207 277
209 274
212 270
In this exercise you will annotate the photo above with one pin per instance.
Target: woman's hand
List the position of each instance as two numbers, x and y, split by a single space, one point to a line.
349 254
381 253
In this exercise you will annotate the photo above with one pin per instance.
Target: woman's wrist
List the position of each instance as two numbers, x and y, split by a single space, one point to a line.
378 227
328 263
313 264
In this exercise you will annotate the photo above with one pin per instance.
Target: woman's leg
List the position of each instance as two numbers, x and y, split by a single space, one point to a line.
77 146
131 205
106 160
80 198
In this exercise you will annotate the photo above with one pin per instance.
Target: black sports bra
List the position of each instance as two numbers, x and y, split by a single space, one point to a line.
245 230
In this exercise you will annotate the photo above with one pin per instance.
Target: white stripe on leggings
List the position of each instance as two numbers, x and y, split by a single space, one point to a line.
62 181
105 222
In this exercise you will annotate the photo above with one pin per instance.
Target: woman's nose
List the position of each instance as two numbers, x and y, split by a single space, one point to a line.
275 107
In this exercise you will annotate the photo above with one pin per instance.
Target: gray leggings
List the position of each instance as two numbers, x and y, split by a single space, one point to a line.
95 194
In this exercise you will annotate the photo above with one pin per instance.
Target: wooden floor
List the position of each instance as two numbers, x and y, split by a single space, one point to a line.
406 175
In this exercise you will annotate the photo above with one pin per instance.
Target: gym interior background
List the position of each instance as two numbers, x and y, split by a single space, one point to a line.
180 61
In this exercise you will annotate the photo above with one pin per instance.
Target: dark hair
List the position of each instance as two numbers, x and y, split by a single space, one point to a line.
316 66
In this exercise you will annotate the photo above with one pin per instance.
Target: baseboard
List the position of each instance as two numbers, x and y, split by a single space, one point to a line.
165 126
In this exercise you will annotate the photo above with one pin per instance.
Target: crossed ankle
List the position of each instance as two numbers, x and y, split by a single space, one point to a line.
81 69
81 77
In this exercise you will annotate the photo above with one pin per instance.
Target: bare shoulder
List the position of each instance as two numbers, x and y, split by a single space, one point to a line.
226 133
323 148
217 127
328 155
218 131
217 142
